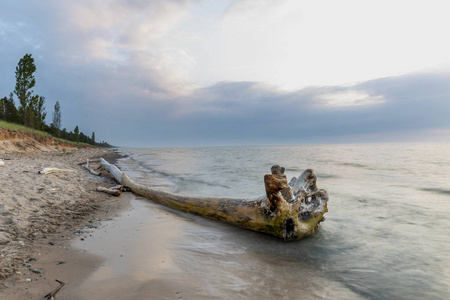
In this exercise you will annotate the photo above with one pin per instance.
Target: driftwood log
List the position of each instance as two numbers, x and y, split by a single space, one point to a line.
54 170
92 171
115 190
289 211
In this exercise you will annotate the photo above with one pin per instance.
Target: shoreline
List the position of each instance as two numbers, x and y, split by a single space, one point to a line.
42 214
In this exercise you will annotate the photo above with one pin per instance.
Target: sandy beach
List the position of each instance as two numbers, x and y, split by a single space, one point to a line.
41 214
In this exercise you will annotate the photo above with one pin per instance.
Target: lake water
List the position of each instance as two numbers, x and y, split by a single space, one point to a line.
386 235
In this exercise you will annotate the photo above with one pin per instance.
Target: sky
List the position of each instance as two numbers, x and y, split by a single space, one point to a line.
152 73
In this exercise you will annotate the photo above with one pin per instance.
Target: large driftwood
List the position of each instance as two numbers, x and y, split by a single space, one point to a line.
289 211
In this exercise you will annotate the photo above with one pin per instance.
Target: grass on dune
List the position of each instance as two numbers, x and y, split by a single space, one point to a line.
21 128
24 129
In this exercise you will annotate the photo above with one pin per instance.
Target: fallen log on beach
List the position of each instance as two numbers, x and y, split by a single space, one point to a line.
115 190
54 170
289 211
92 171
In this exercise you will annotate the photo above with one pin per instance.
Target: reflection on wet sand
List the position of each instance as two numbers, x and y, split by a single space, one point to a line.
151 251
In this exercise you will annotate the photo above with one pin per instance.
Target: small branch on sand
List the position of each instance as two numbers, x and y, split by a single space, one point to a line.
92 171
115 190
51 295
55 170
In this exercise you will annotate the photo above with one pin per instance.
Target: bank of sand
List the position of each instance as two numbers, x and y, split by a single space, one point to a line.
41 214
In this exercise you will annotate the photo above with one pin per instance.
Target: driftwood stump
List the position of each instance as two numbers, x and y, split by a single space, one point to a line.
289 211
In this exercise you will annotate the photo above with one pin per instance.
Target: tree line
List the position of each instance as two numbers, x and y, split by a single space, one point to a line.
31 109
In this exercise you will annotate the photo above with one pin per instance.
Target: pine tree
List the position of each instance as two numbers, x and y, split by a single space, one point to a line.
24 83
3 108
11 114
39 113
77 134
93 138
64 134
57 116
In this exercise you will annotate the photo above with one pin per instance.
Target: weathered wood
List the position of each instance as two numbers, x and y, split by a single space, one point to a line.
112 169
52 294
85 164
54 170
289 211
115 190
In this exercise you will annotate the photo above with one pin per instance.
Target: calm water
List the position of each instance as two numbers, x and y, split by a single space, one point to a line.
386 235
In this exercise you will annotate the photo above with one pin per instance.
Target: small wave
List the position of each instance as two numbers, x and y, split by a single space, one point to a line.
294 170
436 190
199 181
327 176
177 179
146 167
356 165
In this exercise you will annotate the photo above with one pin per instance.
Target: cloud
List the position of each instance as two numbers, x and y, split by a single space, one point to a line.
243 111
117 69
248 12
351 98
110 35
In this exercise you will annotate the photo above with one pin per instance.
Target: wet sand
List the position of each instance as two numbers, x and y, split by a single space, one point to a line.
136 263
152 252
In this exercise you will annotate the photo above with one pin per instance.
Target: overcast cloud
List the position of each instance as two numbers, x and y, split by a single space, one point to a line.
174 73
